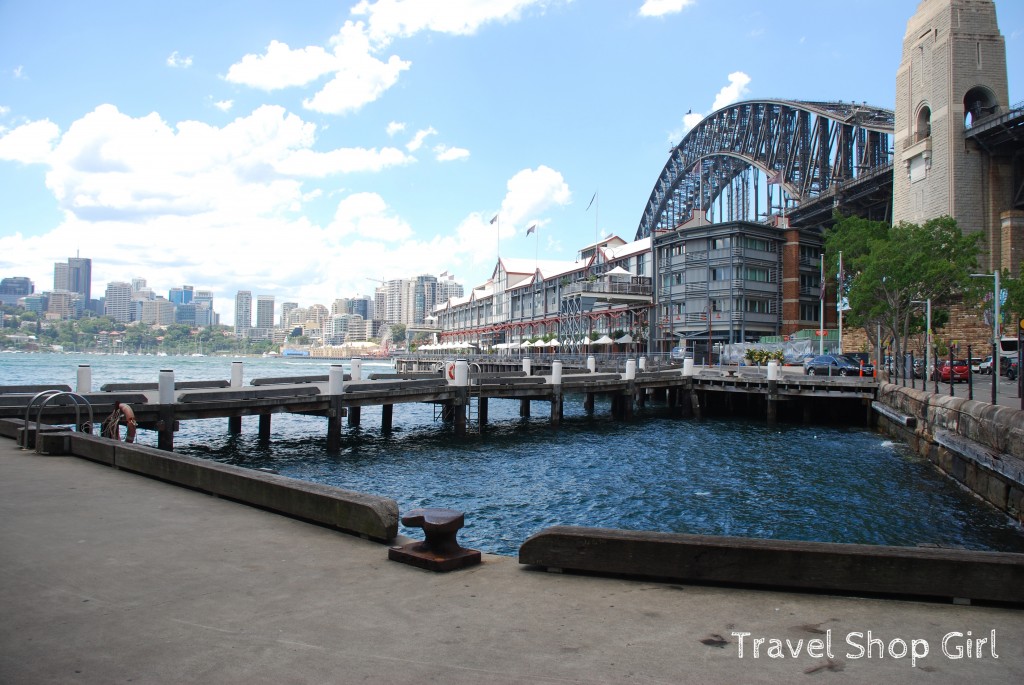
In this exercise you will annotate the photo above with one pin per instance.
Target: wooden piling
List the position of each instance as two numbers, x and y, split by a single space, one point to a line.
264 434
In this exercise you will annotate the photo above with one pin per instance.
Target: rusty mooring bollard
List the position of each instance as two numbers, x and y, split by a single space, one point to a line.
440 551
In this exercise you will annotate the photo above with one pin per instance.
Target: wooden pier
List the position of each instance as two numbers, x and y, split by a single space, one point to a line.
463 393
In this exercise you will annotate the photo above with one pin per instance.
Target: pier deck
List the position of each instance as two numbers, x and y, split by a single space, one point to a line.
310 396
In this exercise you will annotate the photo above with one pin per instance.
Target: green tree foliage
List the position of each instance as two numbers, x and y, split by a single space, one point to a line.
888 268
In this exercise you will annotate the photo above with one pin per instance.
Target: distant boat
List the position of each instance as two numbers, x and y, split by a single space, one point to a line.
198 354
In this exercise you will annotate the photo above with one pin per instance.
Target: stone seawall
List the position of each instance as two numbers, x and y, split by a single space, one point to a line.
978 444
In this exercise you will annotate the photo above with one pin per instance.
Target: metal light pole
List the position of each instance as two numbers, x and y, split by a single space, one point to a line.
927 336
995 331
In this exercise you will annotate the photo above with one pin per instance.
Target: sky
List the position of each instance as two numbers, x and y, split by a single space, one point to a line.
309 150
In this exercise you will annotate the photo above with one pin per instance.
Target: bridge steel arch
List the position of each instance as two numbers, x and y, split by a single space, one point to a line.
810 149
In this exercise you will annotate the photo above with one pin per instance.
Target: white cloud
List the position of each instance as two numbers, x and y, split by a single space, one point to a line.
367 215
417 140
309 163
19 72
177 61
360 78
395 127
729 94
531 192
389 19
4 110
443 153
30 143
281 67
224 105
659 8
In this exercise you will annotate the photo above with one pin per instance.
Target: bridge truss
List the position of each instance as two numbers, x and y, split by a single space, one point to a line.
812 150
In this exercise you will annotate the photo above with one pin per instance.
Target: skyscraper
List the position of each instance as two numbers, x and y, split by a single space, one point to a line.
265 312
118 301
182 295
243 313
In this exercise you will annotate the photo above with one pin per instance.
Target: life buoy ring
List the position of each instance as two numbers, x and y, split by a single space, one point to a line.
112 426
451 372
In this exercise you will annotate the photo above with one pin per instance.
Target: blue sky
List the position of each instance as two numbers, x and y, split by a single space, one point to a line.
302 149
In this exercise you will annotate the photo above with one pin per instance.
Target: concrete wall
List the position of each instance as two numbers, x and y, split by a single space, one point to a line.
976 443
362 514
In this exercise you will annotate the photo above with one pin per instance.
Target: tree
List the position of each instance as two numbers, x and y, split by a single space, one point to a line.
888 268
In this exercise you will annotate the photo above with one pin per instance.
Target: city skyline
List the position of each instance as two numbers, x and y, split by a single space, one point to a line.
308 152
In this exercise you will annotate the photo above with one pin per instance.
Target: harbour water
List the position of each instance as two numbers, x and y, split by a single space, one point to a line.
712 477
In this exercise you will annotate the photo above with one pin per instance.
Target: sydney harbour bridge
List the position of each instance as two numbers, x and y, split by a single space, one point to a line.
821 156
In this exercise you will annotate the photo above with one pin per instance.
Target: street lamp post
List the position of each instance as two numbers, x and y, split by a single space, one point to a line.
927 336
995 330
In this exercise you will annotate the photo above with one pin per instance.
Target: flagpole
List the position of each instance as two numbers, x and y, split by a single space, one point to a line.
839 300
821 307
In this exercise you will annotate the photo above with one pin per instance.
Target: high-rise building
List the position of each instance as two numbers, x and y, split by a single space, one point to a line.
424 298
118 301
182 295
342 305
286 309
362 306
80 277
65 304
14 288
60 276
447 288
243 313
157 312
205 316
265 312
380 303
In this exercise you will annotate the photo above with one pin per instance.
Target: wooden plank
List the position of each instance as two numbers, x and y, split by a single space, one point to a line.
916 571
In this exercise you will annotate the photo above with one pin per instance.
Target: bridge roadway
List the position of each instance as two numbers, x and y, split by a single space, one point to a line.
310 395
111 577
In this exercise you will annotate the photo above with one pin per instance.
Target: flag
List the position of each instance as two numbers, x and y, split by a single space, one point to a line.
591 202
531 229
443 274
776 178
494 219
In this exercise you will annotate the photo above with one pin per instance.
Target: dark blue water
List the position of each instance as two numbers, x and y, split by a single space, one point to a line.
716 477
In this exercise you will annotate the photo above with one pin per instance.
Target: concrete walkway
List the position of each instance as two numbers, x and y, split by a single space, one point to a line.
107 577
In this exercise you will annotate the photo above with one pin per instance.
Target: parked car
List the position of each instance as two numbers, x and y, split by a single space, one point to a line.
959 371
1011 370
837 365
975 363
986 366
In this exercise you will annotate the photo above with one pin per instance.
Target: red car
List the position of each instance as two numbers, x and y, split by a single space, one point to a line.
960 370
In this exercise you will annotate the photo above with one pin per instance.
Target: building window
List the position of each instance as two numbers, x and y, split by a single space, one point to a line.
722 273
810 312
757 306
758 275
757 244
810 281
721 243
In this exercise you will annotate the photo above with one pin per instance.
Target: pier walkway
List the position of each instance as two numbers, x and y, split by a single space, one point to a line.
110 577
462 398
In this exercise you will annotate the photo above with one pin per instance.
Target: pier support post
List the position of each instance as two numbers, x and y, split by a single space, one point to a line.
588 403
482 411
354 414
556 392
461 404
591 364
695 404
335 387
165 424
264 434
234 425
527 365
386 414
236 374
524 409
773 392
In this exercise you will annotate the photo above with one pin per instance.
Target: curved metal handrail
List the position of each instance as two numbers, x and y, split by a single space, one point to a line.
46 397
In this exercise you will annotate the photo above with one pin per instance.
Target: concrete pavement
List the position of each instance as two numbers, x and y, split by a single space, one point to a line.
109 577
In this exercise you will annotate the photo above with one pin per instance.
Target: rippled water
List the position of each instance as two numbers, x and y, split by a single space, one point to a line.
712 477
